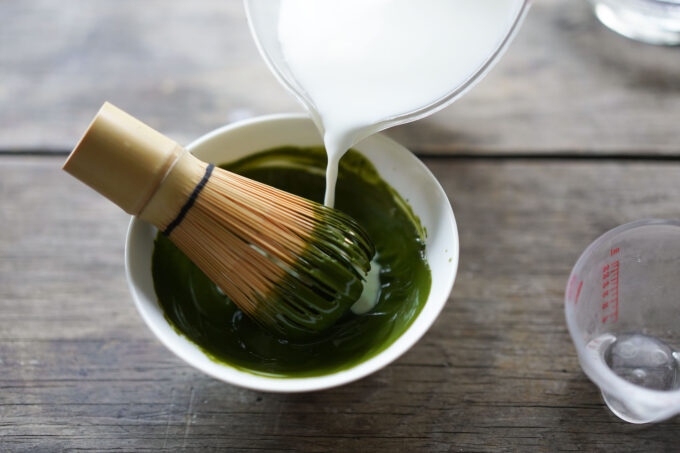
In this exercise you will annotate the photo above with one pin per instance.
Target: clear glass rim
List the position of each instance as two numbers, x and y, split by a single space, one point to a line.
618 230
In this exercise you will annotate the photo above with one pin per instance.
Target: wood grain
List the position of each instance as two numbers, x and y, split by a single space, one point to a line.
497 372
566 86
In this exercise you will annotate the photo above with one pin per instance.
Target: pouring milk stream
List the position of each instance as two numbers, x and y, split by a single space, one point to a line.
360 66
361 63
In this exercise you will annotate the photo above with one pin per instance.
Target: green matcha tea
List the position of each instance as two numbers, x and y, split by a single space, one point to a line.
201 312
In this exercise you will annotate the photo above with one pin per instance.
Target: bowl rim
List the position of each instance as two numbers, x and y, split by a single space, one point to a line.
167 334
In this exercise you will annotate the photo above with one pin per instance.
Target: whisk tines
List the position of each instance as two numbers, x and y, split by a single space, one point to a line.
293 265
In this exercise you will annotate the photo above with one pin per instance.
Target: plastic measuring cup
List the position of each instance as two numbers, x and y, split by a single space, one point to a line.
263 17
623 315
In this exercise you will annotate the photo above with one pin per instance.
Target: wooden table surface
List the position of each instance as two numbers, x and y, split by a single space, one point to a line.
574 132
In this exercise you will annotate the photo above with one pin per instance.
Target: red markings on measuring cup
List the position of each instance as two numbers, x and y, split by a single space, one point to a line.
613 252
610 290
571 287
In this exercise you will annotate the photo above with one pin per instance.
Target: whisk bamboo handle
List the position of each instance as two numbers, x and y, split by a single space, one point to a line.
291 264
124 159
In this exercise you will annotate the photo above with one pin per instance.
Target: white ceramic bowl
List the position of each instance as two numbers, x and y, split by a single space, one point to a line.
398 166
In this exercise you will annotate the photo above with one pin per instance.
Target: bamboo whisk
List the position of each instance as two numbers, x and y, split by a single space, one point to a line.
291 264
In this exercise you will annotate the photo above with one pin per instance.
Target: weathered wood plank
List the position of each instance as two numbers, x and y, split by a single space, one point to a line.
566 85
497 372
